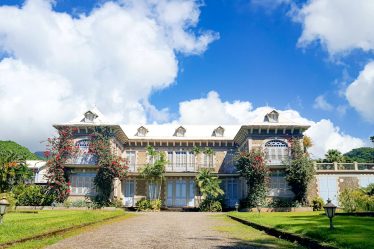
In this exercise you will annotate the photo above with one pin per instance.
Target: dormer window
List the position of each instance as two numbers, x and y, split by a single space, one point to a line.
89 117
218 132
272 117
180 131
142 131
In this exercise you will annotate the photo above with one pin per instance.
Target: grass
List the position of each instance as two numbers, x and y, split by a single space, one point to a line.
248 237
21 225
350 231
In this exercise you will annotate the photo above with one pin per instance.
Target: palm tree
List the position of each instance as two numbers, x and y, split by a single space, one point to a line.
372 139
209 185
307 143
155 169
334 156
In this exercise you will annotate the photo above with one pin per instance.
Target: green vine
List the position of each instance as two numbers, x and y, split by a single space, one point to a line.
110 165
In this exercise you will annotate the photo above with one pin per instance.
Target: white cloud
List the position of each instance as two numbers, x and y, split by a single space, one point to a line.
326 136
321 103
360 93
114 57
339 25
212 110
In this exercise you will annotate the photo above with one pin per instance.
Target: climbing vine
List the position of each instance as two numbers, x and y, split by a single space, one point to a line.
110 165
252 167
59 150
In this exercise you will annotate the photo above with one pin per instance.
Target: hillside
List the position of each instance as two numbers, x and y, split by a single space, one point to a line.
19 149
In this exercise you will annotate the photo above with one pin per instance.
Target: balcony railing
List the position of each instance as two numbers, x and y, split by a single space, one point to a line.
344 166
175 167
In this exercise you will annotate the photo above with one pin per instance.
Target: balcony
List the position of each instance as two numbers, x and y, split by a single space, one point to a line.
344 167
175 167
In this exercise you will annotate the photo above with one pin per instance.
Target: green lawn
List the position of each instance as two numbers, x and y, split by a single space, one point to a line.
21 225
248 237
350 231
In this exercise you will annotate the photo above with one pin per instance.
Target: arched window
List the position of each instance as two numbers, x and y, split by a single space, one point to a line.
276 151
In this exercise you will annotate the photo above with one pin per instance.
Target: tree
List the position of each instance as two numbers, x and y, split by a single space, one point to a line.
59 150
307 143
372 139
13 170
210 190
253 168
299 171
361 155
154 171
18 149
333 155
110 165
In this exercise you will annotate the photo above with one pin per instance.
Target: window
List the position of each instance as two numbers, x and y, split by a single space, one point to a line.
89 117
142 131
230 187
218 132
82 184
279 185
180 131
153 191
181 158
131 159
272 117
276 151
208 160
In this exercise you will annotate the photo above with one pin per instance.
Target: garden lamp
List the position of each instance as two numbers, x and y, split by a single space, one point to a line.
236 206
330 209
3 208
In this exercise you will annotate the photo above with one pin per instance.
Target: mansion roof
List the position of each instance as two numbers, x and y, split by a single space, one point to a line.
172 131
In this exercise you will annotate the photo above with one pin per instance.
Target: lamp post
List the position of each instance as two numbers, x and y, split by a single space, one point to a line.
330 211
3 208
237 206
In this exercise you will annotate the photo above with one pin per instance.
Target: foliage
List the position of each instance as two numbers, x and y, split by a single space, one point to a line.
334 156
352 200
78 203
210 190
350 231
361 155
208 151
196 150
13 170
33 195
317 203
10 198
155 169
208 205
307 143
149 205
59 150
282 203
110 165
18 150
252 167
299 171
372 139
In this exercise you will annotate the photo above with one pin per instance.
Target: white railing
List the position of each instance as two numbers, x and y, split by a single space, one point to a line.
344 166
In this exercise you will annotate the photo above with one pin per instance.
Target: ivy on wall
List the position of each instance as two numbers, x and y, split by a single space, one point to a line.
110 165
59 150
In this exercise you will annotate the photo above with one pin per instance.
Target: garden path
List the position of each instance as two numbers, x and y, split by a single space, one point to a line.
158 230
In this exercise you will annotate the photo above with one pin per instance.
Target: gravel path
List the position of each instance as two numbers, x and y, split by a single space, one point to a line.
155 230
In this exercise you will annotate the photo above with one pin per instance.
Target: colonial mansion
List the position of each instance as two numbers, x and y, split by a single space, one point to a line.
270 133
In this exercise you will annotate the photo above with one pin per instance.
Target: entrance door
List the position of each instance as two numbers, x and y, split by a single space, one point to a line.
128 190
180 193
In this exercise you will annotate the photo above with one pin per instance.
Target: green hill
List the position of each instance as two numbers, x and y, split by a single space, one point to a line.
19 149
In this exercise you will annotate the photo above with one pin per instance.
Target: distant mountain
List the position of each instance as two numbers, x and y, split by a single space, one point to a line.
19 149
40 154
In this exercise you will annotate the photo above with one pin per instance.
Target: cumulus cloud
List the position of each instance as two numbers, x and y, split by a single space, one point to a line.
114 57
212 110
360 93
321 103
339 25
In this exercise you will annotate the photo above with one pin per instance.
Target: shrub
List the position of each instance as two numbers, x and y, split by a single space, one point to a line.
33 195
317 203
210 206
282 203
78 203
352 200
144 205
156 205
10 198
67 203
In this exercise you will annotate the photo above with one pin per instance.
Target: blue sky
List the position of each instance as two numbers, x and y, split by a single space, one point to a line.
258 59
